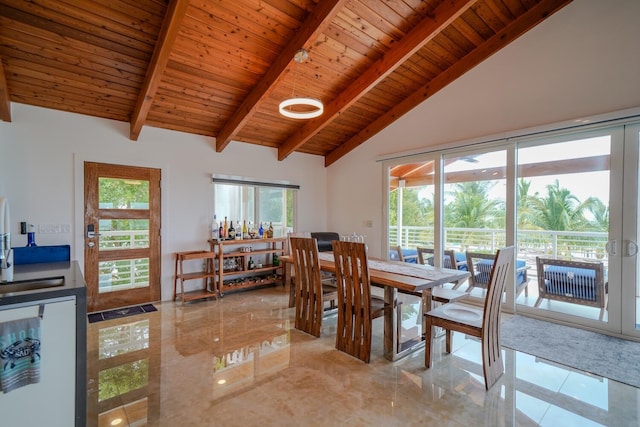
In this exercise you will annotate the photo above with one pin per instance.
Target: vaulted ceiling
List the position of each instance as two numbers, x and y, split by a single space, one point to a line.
221 67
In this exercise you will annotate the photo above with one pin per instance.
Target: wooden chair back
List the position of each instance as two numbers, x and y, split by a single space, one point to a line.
355 311
291 273
492 364
307 285
577 282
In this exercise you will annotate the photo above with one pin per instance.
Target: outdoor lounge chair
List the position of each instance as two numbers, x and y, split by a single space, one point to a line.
575 282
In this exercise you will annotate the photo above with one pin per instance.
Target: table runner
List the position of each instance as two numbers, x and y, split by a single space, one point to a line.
406 269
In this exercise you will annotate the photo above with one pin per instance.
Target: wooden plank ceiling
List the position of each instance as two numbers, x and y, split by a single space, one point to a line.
221 67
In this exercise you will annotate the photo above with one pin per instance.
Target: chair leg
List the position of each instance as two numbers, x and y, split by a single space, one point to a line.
448 341
292 292
538 301
427 344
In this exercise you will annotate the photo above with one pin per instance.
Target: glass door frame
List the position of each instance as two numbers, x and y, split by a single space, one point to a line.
630 290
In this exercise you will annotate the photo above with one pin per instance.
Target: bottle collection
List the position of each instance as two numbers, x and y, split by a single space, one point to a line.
226 231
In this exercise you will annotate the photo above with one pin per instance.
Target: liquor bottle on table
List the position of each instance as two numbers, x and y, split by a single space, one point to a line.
215 229
261 231
270 231
245 231
239 231
232 232
225 230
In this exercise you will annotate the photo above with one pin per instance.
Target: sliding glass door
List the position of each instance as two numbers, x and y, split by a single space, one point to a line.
567 200
563 214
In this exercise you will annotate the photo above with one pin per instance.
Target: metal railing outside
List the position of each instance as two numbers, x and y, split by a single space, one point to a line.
574 245
127 273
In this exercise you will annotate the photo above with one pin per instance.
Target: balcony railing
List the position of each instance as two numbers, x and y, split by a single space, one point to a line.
575 245
127 273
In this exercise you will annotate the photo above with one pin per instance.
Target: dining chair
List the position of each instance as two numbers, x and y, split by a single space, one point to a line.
479 266
575 282
356 306
397 254
426 256
398 251
483 324
440 293
310 292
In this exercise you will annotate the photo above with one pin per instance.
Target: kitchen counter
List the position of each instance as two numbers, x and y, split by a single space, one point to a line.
73 283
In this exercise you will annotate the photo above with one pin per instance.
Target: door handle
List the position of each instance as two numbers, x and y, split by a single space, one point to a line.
632 248
91 231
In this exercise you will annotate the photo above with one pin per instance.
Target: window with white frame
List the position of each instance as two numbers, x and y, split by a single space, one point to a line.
254 203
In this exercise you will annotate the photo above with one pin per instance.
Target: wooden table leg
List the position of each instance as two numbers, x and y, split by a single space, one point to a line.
391 323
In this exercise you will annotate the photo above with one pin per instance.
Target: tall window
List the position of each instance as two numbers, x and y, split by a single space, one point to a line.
255 203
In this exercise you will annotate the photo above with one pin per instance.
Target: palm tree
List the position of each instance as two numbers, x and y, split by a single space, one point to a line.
472 207
524 202
600 213
561 210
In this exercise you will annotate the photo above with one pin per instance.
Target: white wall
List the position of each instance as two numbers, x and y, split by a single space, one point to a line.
584 60
41 173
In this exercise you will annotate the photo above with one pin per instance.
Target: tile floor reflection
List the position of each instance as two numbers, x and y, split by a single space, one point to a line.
239 362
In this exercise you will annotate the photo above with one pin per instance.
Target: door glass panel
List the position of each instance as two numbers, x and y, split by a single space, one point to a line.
115 193
474 206
123 274
563 213
411 207
123 234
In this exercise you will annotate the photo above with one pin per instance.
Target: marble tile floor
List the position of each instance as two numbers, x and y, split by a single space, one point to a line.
239 362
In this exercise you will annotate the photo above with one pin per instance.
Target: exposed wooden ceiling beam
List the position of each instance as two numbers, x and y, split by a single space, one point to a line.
528 20
168 33
419 36
5 102
313 26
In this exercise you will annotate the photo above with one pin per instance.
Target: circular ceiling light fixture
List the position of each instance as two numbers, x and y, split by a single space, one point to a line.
300 107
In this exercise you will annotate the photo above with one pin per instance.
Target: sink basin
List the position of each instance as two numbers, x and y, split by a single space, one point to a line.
31 285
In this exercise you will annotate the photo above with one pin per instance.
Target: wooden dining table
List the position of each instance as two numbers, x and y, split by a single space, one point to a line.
395 277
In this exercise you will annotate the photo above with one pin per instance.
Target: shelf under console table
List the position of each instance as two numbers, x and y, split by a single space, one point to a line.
233 269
